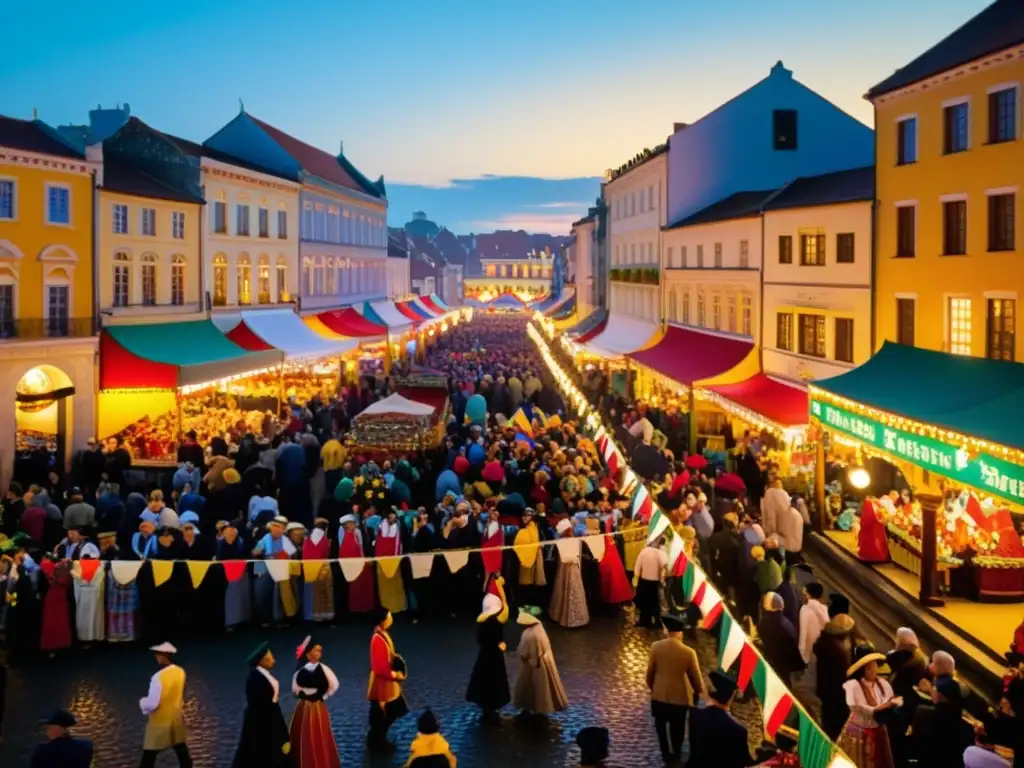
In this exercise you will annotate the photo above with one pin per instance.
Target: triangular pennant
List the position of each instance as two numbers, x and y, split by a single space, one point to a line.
421 565
658 525
456 559
613 464
311 569
712 615
699 580
689 574
748 663
352 567
677 561
596 545
775 699
295 568
710 604
643 506
125 571
568 548
87 569
234 569
162 570
279 570
730 642
197 570
389 566
815 749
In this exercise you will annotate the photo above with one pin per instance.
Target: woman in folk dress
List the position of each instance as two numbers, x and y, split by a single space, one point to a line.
568 598
864 739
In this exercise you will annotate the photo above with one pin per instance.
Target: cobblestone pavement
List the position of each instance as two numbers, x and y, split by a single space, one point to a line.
602 667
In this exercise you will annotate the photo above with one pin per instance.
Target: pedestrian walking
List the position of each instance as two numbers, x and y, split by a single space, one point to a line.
163 706
717 739
675 682
387 671
61 749
648 576
538 689
264 742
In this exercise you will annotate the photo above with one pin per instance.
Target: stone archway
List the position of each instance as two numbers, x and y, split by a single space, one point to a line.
43 405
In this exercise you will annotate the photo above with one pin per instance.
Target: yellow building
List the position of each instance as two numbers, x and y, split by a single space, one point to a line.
949 168
47 341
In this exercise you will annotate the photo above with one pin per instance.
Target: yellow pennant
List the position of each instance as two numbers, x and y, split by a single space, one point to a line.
389 566
311 569
197 570
162 570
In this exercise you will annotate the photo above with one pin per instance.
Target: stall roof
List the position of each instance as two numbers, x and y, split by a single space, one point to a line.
565 311
438 301
507 301
396 404
348 323
566 299
283 329
973 396
423 307
689 356
172 355
588 323
385 313
413 311
620 336
433 306
779 402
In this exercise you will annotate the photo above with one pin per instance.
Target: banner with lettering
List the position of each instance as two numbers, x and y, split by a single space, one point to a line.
982 471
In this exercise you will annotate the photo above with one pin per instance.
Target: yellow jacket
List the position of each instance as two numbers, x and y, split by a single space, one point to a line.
427 749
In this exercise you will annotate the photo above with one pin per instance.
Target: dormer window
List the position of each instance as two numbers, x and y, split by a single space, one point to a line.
784 129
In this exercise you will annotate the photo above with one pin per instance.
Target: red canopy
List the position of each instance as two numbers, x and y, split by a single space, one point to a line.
348 322
407 311
687 356
429 304
784 404
586 336
247 339
432 396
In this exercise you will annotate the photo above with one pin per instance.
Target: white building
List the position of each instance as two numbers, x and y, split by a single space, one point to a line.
817 276
583 256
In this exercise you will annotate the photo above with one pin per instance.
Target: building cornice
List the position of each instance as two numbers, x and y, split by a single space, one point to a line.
229 172
320 186
12 156
660 152
983 64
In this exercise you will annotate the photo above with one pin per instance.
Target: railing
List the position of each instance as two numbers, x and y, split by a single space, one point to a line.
640 275
29 328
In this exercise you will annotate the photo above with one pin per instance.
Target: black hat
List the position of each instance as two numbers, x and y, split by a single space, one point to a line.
76 491
61 718
949 689
254 658
837 604
428 723
673 623
593 743
723 686
378 616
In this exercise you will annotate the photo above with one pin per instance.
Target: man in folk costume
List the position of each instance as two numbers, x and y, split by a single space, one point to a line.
275 599
488 684
361 596
264 741
538 688
163 706
318 597
717 739
388 544
384 692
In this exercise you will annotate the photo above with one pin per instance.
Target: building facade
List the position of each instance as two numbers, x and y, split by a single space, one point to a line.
950 154
584 255
526 277
637 201
47 314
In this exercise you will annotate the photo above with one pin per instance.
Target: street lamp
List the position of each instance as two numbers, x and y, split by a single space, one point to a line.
859 478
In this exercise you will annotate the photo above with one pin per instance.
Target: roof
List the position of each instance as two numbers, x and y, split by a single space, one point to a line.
783 404
34 136
126 179
855 185
346 323
621 335
315 161
688 355
640 159
397 245
282 329
200 150
738 205
449 247
998 27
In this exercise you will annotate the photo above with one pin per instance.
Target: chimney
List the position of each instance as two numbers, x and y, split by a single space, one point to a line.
677 127
341 147
779 70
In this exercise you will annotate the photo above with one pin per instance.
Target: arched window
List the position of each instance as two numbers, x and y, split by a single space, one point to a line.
282 279
263 287
673 306
318 276
307 275
332 278
702 312
148 279
220 280
686 308
122 278
244 280
177 279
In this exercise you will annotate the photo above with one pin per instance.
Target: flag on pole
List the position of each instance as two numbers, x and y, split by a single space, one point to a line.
775 699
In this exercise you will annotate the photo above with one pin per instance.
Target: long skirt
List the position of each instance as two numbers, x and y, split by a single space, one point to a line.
310 735
238 602
122 603
568 598
615 586
318 596
55 634
89 620
866 747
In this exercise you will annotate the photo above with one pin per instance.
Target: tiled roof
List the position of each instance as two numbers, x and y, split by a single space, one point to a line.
998 27
736 206
125 179
850 186
449 247
199 150
313 160
397 246
33 136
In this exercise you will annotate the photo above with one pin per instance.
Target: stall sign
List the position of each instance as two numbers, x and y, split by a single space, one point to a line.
981 470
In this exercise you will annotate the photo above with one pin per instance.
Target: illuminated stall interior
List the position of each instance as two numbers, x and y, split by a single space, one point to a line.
43 403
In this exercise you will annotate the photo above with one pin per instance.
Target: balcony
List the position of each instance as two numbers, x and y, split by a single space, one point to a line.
37 328
637 275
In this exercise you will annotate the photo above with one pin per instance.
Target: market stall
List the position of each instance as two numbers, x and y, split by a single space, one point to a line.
397 424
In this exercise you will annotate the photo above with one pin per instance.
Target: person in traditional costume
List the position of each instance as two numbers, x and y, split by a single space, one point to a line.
674 680
568 598
230 550
318 593
264 742
615 588
162 705
649 572
144 543
430 749
461 532
717 739
384 690
872 542
71 547
202 604
864 739
61 749
56 634
488 684
24 605
122 600
89 587
388 544
538 688
310 735
492 541
275 600
532 580
424 540
361 597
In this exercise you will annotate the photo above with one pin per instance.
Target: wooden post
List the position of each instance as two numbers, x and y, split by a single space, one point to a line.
819 483
929 595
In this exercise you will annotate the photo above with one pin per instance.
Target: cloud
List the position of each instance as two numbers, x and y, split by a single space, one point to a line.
538 223
575 206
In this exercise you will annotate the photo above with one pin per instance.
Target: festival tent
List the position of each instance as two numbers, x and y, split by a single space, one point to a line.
345 324
783 404
436 301
396 405
173 355
433 306
385 313
588 325
413 312
620 336
506 301
423 307
559 304
689 356
282 329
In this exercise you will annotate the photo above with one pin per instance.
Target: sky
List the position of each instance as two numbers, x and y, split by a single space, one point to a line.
502 97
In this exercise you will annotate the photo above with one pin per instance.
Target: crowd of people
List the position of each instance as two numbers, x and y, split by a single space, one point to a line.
275 526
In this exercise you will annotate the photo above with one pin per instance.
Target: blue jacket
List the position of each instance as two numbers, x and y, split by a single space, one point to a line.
63 752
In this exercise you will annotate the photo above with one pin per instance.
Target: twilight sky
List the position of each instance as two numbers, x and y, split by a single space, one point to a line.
429 92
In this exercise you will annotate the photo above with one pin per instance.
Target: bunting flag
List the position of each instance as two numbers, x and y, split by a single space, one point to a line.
234 569
388 566
711 606
522 423
456 559
697 583
677 560
596 545
731 640
162 570
642 505
776 701
748 663
816 751
658 525
421 565
311 569
197 570
126 571
279 570
352 567
86 570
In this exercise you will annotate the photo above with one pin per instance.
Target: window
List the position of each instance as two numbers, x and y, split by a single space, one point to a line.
954 227
282 280
122 278
812 250
784 331
700 256
701 309
682 256
320 222
58 205
718 254
844 339
955 131
318 276
148 279
716 312
6 199
668 257
730 316
244 280
686 307
812 335
1002 317
57 309
7 327
149 222
784 129
906 141
177 280
906 231
844 248
958 317
746 305
220 280
632 253
905 309
242 220
1000 222
785 249
282 225
178 225
632 205
1002 115
263 222
220 217
120 219
332 278
744 254
333 232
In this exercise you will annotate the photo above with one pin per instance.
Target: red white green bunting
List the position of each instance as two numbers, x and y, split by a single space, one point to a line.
731 640
642 505
657 526
776 701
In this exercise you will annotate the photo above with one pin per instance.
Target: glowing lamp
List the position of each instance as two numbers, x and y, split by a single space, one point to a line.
859 478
